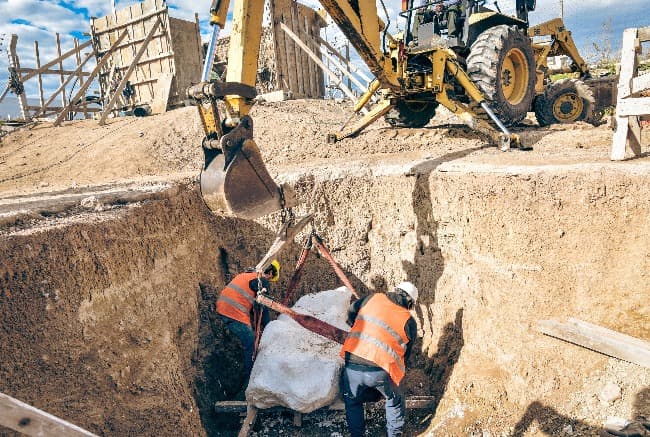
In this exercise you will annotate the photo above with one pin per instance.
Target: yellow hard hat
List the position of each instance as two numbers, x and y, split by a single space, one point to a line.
274 270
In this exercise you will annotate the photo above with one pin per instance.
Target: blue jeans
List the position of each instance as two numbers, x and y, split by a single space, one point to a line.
360 384
246 337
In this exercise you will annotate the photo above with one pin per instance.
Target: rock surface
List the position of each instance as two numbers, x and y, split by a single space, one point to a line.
296 368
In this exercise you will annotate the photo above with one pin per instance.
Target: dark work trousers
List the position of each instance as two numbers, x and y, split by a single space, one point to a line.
358 384
246 336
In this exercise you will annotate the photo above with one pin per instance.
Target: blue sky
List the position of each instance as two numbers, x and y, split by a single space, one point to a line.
41 19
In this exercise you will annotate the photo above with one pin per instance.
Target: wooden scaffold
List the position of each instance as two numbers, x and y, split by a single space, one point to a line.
631 105
18 75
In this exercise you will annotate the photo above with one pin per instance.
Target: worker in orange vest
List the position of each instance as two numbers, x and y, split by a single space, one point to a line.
236 302
375 353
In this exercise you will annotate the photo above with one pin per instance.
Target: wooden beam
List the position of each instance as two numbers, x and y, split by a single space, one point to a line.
48 71
321 64
61 87
83 89
56 60
129 22
644 34
628 62
79 75
640 83
251 414
353 68
633 106
125 78
31 421
4 92
599 339
40 78
64 101
14 63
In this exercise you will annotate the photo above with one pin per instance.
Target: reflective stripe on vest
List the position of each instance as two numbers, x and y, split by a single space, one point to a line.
237 298
378 335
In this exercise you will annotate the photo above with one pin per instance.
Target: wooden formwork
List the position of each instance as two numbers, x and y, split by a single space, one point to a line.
158 60
296 72
282 64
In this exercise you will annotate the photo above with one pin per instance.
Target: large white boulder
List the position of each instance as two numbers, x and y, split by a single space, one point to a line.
296 368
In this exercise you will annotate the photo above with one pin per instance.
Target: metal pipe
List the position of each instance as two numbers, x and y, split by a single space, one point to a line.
209 55
494 118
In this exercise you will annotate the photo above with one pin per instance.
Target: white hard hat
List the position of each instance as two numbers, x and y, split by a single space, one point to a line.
409 289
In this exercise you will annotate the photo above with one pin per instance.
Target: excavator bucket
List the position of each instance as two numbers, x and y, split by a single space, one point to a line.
237 183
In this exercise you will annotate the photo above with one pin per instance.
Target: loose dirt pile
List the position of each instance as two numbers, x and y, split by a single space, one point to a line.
106 310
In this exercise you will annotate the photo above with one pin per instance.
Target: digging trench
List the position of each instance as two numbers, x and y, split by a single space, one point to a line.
108 322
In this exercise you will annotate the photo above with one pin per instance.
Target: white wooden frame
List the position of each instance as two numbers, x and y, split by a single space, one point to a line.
629 106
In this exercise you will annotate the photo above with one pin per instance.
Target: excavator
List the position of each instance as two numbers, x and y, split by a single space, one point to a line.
411 78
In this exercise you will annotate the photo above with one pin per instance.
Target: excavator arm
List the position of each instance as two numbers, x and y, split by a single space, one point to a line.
234 179
561 43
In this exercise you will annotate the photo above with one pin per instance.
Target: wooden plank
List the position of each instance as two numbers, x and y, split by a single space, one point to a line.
300 74
251 414
48 71
619 139
598 339
14 63
412 403
643 33
633 106
634 135
629 62
64 101
83 89
60 88
79 75
56 60
161 94
120 87
29 420
640 83
353 68
40 78
113 27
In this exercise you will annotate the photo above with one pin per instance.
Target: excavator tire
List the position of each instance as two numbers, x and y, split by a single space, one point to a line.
565 101
411 114
502 64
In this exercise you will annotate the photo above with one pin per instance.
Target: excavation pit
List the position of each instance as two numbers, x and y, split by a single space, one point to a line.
106 308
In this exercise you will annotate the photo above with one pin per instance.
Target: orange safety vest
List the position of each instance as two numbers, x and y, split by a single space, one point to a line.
236 299
378 335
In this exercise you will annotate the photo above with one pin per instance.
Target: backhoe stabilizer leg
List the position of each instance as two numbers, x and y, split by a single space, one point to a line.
379 110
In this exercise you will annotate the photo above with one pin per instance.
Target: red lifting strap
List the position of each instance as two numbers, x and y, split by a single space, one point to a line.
297 273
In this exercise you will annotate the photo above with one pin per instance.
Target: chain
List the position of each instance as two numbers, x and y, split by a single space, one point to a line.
286 214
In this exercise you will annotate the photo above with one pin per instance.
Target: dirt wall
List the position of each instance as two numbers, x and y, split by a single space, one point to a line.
494 249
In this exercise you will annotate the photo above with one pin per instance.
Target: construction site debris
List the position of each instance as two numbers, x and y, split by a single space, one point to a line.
296 368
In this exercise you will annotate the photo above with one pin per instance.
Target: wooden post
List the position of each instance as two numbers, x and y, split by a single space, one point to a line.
80 76
40 77
14 63
251 414
322 65
125 78
31 421
64 101
83 89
